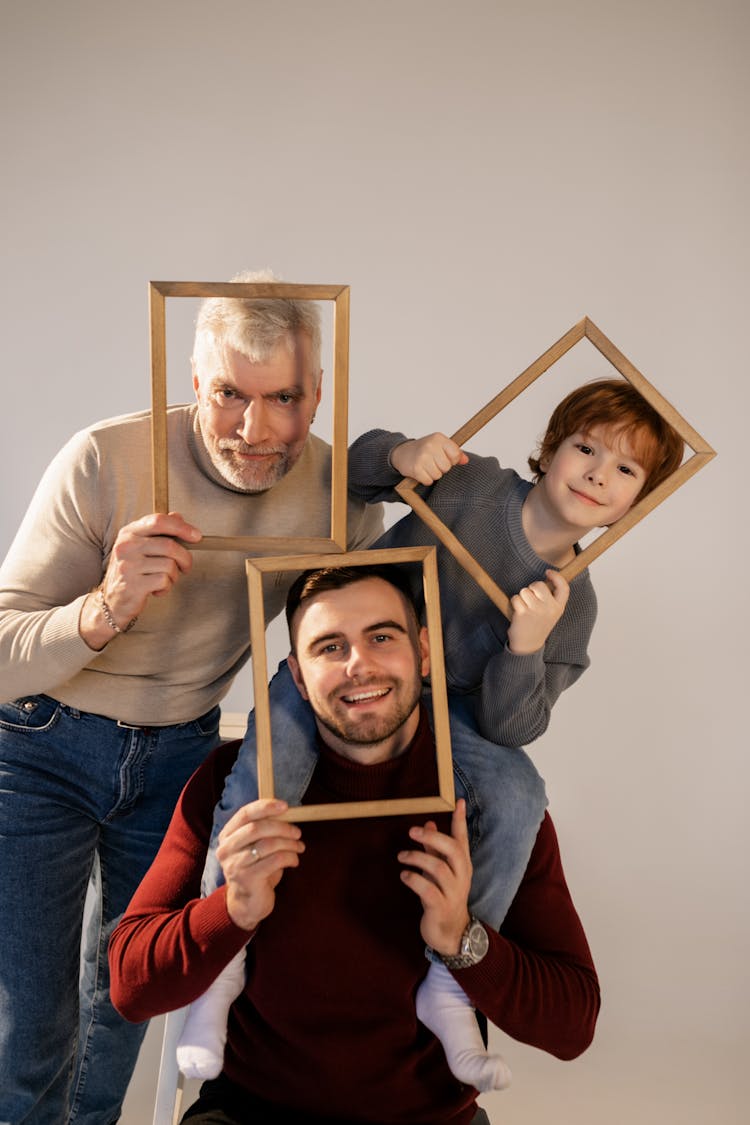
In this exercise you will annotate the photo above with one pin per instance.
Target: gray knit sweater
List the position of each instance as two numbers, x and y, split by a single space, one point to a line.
481 504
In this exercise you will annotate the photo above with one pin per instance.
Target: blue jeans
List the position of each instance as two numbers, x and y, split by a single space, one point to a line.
505 796
79 795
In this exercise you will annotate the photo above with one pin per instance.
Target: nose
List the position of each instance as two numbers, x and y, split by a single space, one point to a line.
253 427
596 473
360 662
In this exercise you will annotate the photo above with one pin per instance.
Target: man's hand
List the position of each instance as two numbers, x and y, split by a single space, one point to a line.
146 561
427 459
442 881
254 849
536 610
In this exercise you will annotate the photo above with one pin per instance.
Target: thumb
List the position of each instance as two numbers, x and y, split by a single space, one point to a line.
559 586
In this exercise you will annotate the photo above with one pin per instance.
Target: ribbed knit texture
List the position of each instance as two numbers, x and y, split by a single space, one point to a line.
186 648
327 1023
481 504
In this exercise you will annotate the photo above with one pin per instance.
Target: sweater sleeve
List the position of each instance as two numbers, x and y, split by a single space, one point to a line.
57 557
171 944
371 476
537 982
518 693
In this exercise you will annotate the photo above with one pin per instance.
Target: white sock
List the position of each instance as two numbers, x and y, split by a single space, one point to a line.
444 1007
200 1051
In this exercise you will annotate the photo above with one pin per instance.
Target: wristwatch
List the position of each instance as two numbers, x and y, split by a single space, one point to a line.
474 945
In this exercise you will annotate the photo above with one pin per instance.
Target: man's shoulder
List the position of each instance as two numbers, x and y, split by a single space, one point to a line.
138 420
317 449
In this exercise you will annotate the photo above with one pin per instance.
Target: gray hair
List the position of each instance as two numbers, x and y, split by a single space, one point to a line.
256 326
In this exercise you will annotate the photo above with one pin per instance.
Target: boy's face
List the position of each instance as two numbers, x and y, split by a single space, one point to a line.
592 479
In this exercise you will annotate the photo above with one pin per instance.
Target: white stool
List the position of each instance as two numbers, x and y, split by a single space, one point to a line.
170 1085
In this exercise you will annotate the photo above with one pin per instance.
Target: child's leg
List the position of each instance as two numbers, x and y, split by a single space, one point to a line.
444 1007
505 802
200 1052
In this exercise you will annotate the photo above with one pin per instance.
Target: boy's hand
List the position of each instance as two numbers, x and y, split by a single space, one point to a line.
442 881
255 848
536 610
427 459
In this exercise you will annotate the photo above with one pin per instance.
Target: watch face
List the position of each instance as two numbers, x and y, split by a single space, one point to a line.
478 940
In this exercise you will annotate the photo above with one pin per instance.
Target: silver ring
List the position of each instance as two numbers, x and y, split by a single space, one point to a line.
255 853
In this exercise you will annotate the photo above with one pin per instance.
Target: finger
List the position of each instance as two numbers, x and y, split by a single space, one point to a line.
259 810
559 586
261 854
438 850
523 601
165 523
459 826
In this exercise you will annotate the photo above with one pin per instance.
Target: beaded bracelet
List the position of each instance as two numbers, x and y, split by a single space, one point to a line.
108 615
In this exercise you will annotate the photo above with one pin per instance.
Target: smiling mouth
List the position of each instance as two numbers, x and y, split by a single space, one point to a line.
583 496
365 696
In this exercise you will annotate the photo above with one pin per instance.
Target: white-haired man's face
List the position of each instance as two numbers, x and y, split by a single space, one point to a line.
255 416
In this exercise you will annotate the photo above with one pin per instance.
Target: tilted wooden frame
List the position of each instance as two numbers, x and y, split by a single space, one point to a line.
702 453
339 294
444 801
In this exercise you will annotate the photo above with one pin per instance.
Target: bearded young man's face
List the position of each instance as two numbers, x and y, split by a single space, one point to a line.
359 660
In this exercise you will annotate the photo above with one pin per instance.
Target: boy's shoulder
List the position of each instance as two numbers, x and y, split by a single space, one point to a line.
480 478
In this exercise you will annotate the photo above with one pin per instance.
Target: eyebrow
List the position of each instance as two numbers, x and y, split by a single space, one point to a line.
219 381
378 627
588 437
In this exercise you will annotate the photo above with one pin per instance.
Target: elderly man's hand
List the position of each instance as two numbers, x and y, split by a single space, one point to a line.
255 848
147 559
442 881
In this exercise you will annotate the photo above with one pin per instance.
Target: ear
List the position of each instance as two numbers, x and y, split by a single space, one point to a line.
196 382
424 652
299 683
320 389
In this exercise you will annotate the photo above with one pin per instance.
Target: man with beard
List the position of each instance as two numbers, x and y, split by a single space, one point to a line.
337 916
116 646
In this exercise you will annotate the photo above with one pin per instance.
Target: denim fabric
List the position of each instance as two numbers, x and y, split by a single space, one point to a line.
79 796
505 796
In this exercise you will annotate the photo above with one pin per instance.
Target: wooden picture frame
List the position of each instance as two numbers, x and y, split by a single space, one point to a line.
702 453
444 800
339 295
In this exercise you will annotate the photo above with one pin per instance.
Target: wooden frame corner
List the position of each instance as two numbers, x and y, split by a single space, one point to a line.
702 453
444 800
339 294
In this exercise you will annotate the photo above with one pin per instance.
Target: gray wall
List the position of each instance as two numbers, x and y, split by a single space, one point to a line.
483 175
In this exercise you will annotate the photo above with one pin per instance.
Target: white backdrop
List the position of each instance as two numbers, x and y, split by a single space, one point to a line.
482 174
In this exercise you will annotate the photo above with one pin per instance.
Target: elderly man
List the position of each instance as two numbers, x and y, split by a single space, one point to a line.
116 646
337 915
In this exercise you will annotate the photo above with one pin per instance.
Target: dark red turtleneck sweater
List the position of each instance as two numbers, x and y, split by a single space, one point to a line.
327 1023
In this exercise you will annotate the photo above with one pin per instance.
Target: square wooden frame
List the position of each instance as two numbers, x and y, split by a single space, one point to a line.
339 294
444 801
702 453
